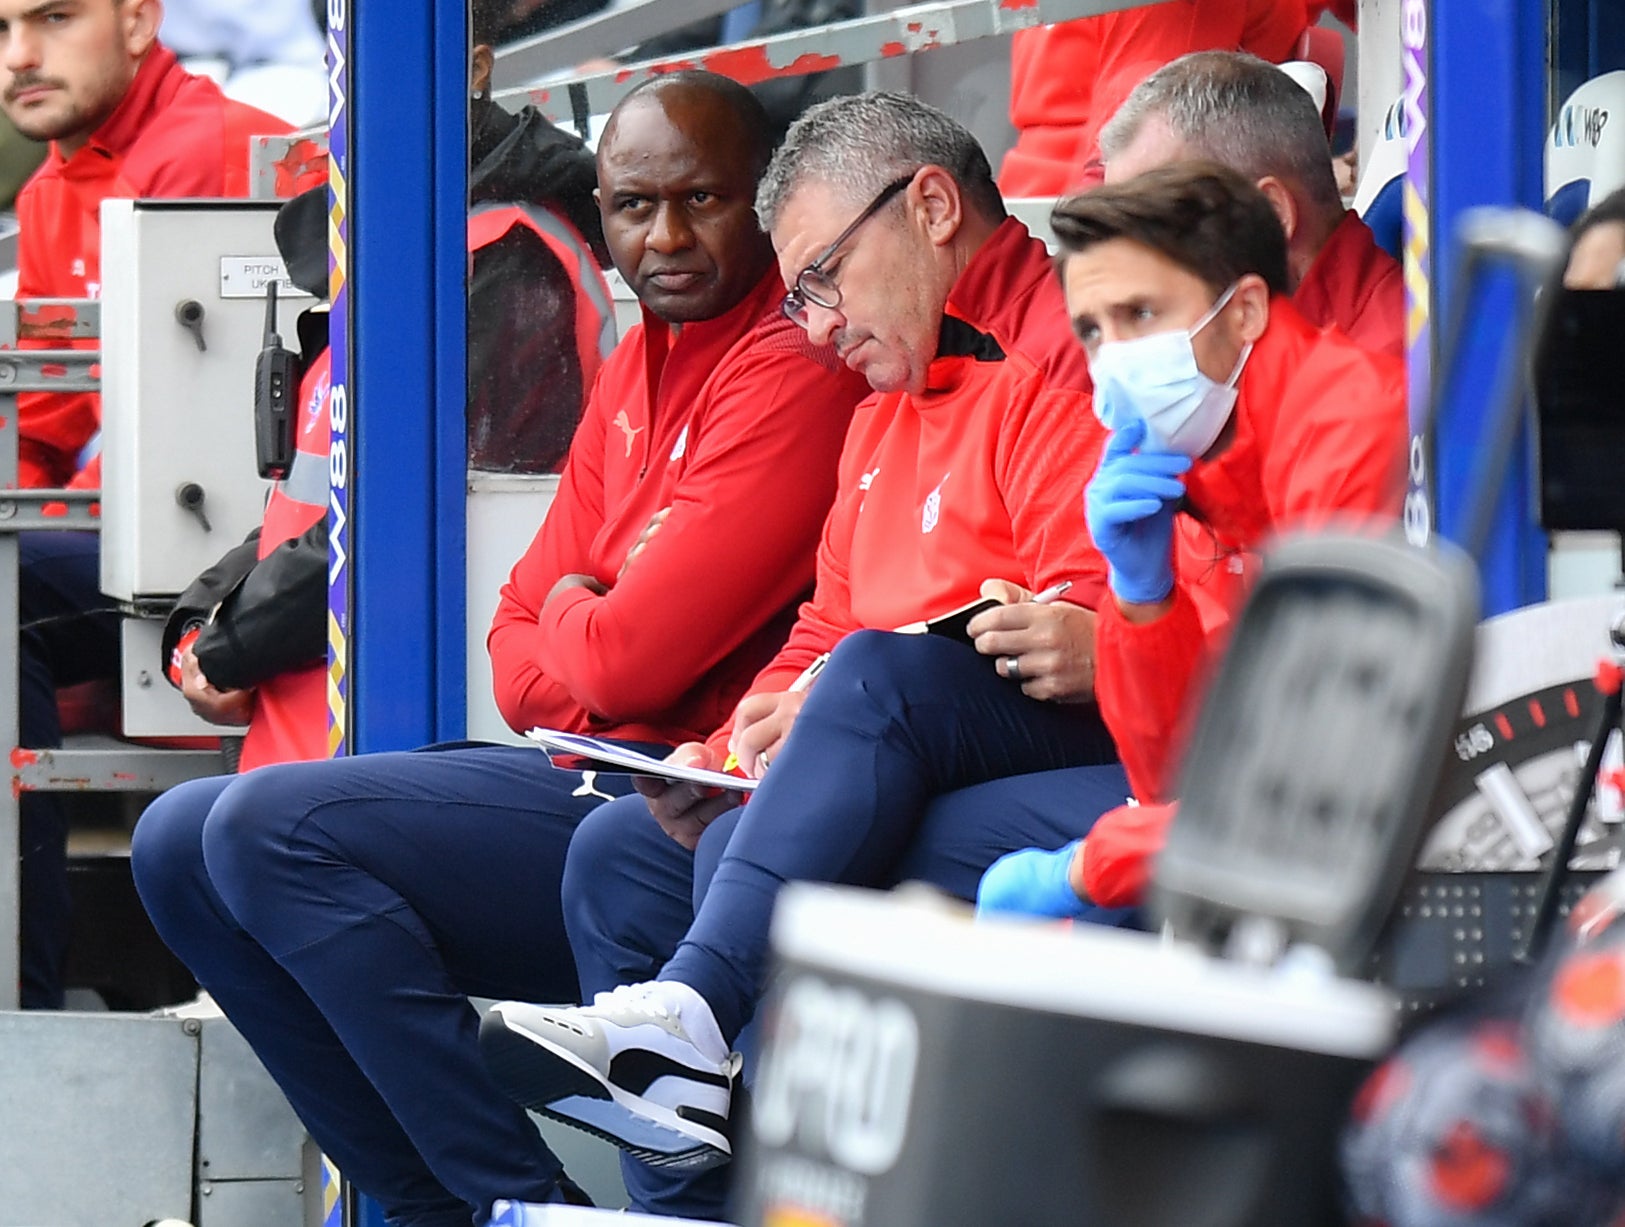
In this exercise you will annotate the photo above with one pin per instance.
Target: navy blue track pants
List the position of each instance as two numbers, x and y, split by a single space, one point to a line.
893 722
342 913
918 763
69 634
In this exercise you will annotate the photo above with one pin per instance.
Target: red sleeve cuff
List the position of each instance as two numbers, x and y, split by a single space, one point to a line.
182 646
1144 682
1119 853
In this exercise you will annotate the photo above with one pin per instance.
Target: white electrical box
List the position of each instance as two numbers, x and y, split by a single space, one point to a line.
149 705
183 317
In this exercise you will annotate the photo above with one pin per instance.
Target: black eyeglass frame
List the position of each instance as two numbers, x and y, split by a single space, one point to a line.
795 302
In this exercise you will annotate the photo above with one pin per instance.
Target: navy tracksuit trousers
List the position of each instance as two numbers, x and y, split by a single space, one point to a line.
69 634
911 760
342 913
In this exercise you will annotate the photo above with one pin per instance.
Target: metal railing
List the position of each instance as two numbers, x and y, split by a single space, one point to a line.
599 34
876 36
127 768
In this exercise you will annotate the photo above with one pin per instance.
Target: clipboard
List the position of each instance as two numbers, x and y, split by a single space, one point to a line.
578 752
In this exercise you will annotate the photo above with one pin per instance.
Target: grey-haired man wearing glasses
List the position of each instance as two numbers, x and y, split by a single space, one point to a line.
962 477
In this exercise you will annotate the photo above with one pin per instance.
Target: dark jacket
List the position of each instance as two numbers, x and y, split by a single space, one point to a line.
525 385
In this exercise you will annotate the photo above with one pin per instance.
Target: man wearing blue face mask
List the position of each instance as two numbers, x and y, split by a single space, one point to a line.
1155 379
1231 418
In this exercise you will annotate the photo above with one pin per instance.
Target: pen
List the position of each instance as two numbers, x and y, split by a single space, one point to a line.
1052 593
810 672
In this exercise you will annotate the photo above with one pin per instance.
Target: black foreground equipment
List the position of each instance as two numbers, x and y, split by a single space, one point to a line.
919 1070
1305 790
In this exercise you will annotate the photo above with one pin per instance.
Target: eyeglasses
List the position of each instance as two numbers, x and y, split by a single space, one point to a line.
813 284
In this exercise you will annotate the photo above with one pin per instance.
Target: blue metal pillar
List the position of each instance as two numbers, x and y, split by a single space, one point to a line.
405 358
1487 94
398 131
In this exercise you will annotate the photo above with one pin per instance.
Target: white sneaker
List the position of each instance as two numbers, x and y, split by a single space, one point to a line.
625 1068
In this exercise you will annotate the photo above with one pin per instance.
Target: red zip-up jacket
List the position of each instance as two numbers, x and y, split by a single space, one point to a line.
735 423
1067 80
1321 434
981 476
289 723
1357 288
174 135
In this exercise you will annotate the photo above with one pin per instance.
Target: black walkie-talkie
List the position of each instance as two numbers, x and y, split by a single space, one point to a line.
276 383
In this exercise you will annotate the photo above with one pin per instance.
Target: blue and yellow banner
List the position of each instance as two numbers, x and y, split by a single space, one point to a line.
1418 267
339 455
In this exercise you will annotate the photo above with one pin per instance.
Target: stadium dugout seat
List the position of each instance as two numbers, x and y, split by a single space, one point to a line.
1585 150
1324 47
1380 198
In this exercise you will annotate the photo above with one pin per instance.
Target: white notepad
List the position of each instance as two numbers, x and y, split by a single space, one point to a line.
578 752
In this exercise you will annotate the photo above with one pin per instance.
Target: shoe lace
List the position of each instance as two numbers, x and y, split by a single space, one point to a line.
644 998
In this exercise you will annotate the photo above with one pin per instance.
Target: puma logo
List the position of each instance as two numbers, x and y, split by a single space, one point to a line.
626 427
589 787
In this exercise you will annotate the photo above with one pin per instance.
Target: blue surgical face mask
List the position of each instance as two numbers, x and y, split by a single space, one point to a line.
1155 378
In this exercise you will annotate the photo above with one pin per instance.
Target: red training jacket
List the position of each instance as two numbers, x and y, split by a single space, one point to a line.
1067 80
1357 288
1321 434
290 709
174 135
735 423
979 477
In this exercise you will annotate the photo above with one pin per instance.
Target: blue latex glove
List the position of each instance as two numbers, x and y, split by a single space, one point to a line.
1130 506
1031 882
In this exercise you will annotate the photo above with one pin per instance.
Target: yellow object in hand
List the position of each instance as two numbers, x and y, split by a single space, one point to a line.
731 763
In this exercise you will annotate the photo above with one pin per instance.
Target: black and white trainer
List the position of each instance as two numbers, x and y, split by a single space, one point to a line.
624 1068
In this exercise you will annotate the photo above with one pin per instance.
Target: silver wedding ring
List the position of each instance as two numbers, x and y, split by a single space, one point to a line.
1012 668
